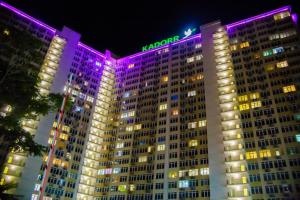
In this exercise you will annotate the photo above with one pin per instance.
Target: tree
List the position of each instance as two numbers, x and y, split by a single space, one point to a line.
20 62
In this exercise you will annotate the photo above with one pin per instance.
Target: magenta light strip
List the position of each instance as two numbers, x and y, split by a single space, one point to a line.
91 49
164 46
267 14
27 16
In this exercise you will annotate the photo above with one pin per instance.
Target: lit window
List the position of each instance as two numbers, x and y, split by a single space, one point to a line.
244 179
161 147
267 53
282 64
131 114
129 128
282 15
5 170
120 145
163 107
172 174
244 45
256 104
183 173
130 66
122 188
183 184
197 46
289 88
10 159
56 161
63 136
165 79
150 149
277 153
132 187
255 95
278 50
193 143
243 98
233 47
199 57
269 67
251 155
202 123
175 112
199 77
192 93
90 99
298 137
137 126
189 60
2 181
193 172
244 106
124 115
126 94
265 153
204 171
192 125
6 32
116 170
50 140
143 159
37 187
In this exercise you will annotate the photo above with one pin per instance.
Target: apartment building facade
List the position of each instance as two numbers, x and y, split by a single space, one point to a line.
214 115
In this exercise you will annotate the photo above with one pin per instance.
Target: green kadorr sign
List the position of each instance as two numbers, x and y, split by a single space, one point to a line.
160 43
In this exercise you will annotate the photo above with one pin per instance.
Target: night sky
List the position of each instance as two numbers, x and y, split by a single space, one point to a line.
124 26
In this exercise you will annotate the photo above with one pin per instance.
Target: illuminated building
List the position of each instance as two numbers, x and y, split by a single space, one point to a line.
214 115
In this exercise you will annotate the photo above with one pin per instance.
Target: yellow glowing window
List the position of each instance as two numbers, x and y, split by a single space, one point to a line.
202 123
161 147
265 153
143 159
244 179
244 44
132 187
55 124
192 93
243 168
163 107
244 106
130 66
5 170
64 164
192 125
193 143
245 192
256 104
2 181
269 67
175 112
137 126
289 88
63 136
56 161
255 95
172 174
50 140
129 128
10 159
6 32
282 15
204 171
165 79
251 155
199 77
131 114
193 172
122 188
282 64
243 98
45 158
277 153
233 47
150 149
52 132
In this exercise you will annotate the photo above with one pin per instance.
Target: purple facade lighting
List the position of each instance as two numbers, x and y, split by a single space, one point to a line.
295 18
164 46
27 17
261 16
91 49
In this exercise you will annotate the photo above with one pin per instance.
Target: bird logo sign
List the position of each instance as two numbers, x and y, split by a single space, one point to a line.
189 32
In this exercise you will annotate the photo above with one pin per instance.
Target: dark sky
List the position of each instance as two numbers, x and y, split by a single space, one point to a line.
124 26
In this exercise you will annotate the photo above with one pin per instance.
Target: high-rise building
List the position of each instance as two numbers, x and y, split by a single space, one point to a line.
213 115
